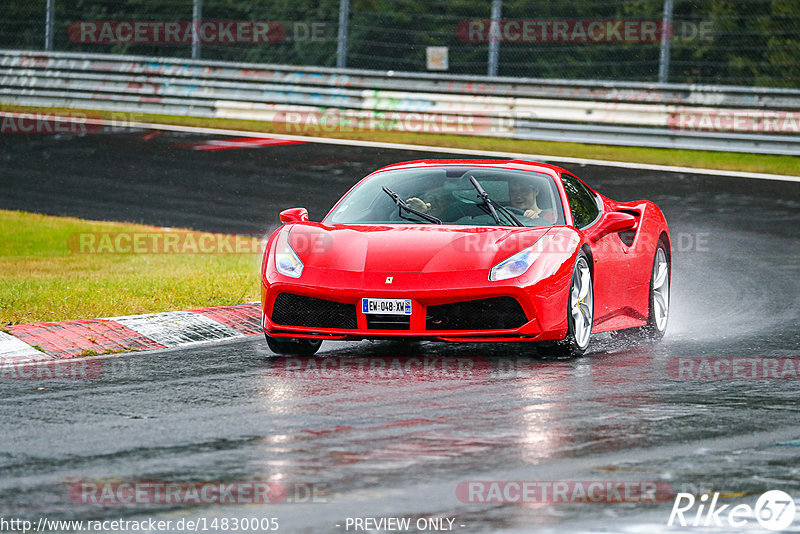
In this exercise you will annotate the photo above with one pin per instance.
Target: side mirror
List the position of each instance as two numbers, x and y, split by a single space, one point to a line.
614 222
293 215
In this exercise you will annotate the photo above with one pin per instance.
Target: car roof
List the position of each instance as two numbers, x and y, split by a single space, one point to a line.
533 166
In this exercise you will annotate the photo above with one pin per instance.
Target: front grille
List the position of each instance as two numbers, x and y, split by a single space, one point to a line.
388 322
500 313
296 310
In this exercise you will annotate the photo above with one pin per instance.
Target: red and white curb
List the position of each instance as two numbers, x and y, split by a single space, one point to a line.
89 337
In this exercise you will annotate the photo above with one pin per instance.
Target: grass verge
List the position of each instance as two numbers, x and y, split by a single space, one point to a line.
45 275
732 161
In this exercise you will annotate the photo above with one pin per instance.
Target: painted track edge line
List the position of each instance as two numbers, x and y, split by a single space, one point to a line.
470 151
446 150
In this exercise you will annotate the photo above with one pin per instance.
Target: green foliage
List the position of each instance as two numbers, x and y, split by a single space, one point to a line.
735 42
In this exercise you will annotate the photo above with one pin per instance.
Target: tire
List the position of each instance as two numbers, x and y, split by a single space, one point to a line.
580 311
292 346
658 314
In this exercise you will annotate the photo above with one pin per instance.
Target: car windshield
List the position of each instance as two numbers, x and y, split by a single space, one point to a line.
447 194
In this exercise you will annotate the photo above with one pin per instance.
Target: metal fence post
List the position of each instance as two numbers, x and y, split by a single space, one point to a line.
49 23
197 18
494 37
341 47
666 35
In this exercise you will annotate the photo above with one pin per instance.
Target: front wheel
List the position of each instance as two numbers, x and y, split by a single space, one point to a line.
292 346
580 311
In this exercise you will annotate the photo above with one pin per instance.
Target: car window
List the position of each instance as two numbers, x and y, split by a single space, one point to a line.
582 202
446 193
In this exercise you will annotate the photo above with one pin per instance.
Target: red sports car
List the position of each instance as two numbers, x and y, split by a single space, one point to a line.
467 250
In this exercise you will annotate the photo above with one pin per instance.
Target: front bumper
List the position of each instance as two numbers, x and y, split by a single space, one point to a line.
540 315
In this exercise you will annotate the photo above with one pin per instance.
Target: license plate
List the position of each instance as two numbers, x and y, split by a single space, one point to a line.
386 306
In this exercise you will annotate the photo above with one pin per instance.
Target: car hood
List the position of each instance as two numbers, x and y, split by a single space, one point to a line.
407 248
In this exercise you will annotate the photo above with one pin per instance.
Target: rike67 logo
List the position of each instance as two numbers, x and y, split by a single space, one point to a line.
774 510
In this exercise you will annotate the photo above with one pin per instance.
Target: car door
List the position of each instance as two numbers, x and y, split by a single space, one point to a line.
609 254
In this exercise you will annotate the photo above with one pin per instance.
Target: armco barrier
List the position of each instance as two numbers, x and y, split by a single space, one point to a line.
740 119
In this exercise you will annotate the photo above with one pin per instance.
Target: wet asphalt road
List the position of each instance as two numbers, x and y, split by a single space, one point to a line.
368 446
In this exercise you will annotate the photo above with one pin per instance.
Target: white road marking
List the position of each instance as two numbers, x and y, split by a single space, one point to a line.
464 151
434 149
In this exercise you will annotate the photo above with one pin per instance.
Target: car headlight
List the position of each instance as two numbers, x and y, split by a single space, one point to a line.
515 265
286 261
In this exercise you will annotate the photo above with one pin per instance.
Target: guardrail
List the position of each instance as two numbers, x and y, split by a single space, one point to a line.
313 100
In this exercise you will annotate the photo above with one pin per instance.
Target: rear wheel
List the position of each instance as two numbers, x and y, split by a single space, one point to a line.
293 346
580 311
658 315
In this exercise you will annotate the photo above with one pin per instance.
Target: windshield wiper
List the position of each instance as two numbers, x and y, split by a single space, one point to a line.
491 204
402 205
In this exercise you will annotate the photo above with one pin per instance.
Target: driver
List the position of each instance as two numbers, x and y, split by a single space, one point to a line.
522 195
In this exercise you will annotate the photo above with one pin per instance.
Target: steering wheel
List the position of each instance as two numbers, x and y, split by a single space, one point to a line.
542 215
